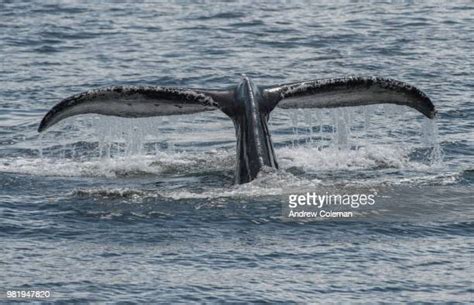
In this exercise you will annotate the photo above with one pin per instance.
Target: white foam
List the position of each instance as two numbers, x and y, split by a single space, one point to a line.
119 166
312 158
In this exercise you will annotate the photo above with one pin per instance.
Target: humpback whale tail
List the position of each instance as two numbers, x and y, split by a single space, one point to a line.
246 104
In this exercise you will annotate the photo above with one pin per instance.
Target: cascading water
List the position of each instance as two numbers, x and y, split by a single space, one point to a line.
377 130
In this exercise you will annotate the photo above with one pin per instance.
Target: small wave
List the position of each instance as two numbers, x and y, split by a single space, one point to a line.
269 183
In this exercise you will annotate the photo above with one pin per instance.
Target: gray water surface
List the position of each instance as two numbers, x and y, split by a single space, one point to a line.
102 209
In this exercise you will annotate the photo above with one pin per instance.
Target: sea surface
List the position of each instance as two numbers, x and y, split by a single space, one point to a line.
103 209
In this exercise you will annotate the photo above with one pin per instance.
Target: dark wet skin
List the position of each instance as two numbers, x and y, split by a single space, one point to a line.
254 144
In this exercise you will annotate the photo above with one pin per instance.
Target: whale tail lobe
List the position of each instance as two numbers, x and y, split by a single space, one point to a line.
136 101
349 92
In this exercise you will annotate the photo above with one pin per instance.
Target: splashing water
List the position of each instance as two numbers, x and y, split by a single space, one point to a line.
348 139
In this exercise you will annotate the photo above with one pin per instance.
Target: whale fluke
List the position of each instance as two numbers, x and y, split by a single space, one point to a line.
246 104
349 92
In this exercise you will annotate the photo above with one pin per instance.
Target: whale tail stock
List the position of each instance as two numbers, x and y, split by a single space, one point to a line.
247 105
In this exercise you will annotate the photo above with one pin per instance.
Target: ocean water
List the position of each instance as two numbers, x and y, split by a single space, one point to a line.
102 209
